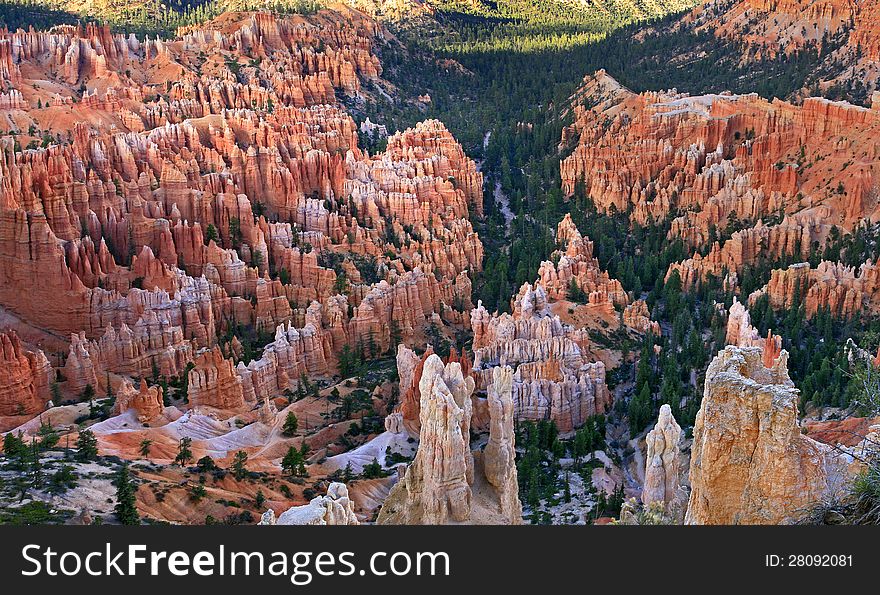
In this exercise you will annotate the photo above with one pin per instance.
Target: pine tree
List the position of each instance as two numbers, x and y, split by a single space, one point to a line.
239 462
86 446
145 447
126 511
293 463
291 424
13 445
184 453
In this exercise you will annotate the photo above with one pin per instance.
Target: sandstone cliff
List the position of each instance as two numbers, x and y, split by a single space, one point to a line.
724 158
750 464
190 187
839 289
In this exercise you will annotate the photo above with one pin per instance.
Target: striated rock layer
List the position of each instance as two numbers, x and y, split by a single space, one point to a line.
839 289
183 190
750 178
553 377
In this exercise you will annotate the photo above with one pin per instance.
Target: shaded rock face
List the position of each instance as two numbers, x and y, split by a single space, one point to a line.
750 464
443 485
553 377
663 465
336 508
25 377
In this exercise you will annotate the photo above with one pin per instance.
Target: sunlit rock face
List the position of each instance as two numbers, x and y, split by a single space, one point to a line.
722 158
750 464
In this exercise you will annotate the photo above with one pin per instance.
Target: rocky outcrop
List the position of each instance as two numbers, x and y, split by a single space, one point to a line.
499 456
336 508
750 464
437 485
180 201
294 353
213 382
637 317
444 485
726 162
663 465
762 29
554 378
839 289
576 267
146 402
741 333
25 377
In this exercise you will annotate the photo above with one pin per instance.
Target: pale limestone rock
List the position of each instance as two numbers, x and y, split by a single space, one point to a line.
499 457
394 423
336 508
445 484
662 468
554 378
268 518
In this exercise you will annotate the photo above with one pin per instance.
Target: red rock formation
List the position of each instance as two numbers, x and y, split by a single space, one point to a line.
637 317
575 264
763 28
446 483
25 377
718 157
741 333
140 230
293 353
213 382
146 402
830 286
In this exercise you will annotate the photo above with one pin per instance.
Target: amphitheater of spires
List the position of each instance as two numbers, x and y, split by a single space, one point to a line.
161 197
173 213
